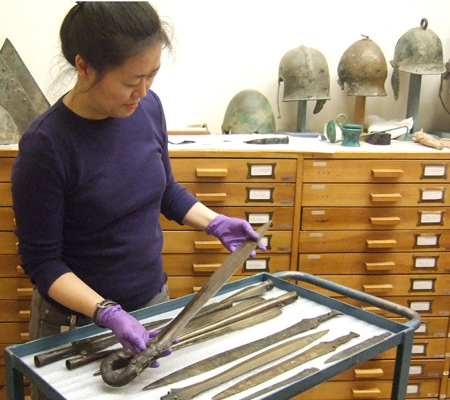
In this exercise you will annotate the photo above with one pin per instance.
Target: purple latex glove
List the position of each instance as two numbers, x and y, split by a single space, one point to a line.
232 232
128 330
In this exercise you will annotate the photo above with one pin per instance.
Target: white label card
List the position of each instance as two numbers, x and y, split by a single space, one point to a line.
431 218
432 195
422 284
422 328
259 194
256 265
418 349
427 240
258 218
420 305
425 262
412 389
416 370
261 170
434 170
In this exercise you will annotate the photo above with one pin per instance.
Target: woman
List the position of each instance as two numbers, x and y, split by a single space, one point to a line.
93 175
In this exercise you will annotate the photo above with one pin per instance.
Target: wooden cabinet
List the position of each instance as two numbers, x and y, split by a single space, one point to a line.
381 227
374 221
256 189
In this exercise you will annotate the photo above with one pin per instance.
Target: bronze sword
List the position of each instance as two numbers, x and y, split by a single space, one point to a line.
314 352
231 355
168 334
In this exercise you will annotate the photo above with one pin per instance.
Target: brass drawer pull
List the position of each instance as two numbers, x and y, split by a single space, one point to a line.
25 292
375 310
207 244
24 314
385 197
387 173
381 244
385 220
211 172
25 336
196 289
380 266
219 197
369 373
20 270
378 288
205 267
366 393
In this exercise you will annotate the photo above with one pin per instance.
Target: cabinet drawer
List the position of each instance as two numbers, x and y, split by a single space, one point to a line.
15 288
8 243
373 241
5 194
391 285
375 195
183 285
199 242
206 264
282 217
234 170
384 369
375 263
374 389
424 305
10 266
13 333
5 169
421 349
431 327
330 218
241 194
375 171
15 310
6 219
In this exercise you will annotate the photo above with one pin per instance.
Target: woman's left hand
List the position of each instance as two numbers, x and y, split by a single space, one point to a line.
232 232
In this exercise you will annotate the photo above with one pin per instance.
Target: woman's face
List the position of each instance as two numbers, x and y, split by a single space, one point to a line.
118 92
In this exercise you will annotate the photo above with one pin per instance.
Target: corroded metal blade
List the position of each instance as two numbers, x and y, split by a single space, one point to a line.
314 352
357 348
284 383
231 355
169 333
256 361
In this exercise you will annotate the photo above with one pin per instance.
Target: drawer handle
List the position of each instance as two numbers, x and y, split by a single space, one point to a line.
380 266
25 336
20 270
387 173
366 393
205 267
378 288
369 373
207 244
385 220
25 292
218 197
24 314
196 289
211 172
381 244
375 310
387 197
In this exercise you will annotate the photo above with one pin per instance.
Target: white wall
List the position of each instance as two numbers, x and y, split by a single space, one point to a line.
223 47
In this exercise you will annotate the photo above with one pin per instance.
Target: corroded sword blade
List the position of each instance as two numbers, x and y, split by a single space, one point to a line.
314 352
284 383
169 333
231 355
256 361
357 348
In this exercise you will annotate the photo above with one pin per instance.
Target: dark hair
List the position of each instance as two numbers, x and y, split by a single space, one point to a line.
106 34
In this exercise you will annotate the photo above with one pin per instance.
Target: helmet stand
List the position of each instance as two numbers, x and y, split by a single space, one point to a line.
412 109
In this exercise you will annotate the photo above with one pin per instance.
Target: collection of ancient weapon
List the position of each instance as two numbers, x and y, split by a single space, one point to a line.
198 322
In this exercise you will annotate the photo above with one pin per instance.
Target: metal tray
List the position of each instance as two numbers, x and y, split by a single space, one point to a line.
58 383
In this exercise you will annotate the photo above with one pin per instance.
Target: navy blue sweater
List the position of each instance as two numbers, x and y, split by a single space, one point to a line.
87 198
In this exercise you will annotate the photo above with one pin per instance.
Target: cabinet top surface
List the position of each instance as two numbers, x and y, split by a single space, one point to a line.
233 145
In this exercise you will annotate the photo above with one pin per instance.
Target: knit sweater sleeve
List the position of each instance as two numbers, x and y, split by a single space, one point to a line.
38 200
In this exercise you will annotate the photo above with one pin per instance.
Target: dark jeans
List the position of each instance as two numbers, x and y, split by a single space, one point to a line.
47 320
